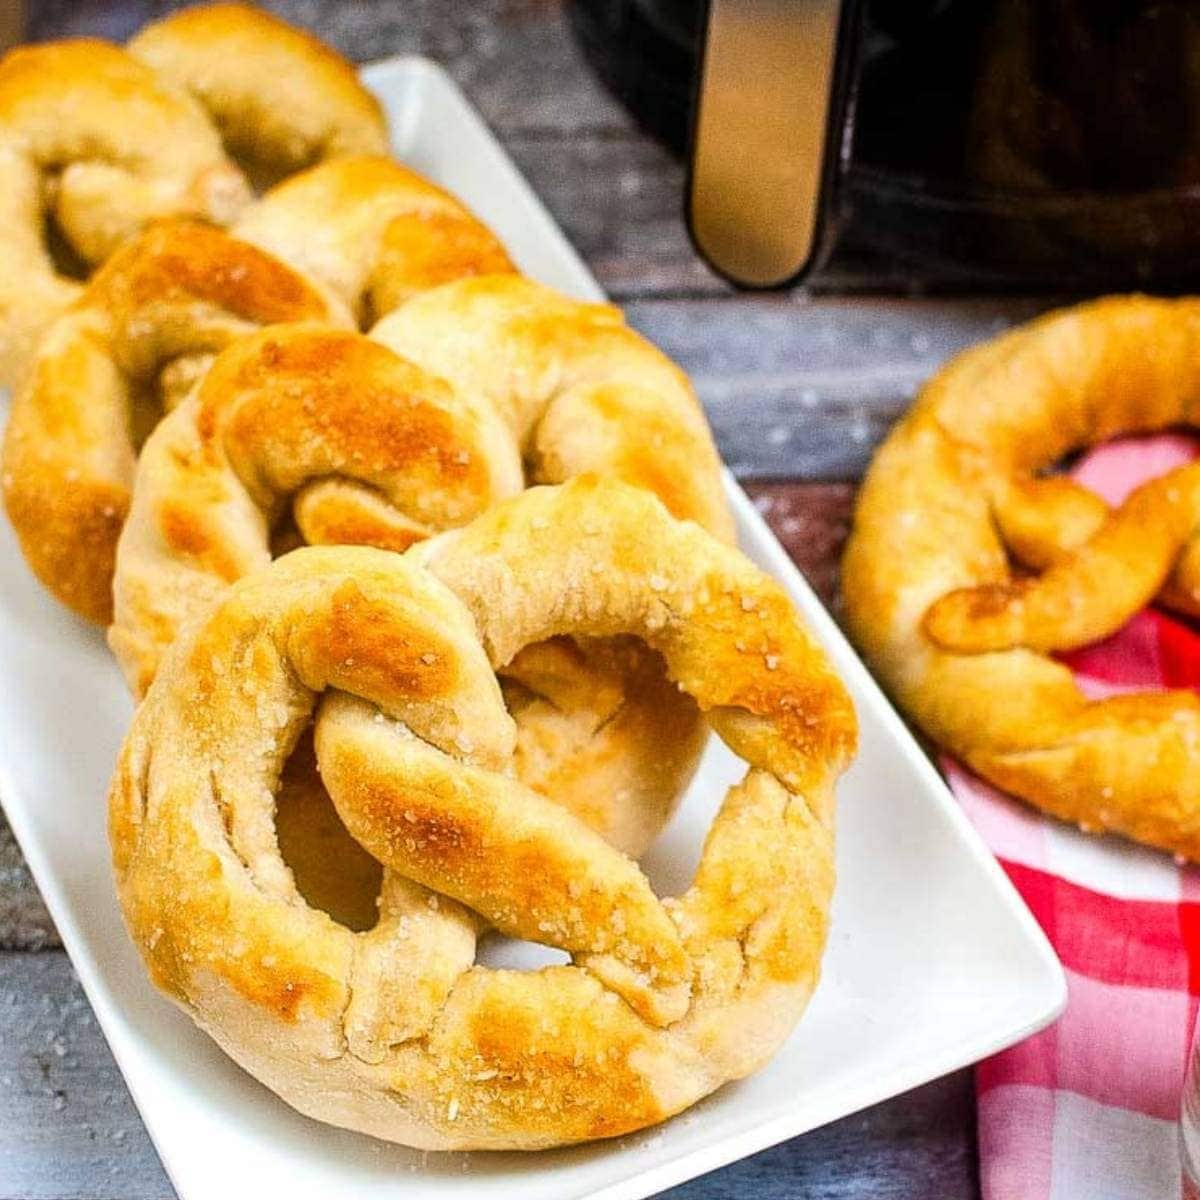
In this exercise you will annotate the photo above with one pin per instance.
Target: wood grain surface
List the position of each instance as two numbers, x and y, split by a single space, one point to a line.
799 388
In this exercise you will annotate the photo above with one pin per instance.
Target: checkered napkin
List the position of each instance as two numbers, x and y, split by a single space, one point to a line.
1087 1109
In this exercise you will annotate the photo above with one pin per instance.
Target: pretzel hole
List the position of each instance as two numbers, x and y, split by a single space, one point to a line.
67 261
285 536
145 410
332 871
515 954
603 731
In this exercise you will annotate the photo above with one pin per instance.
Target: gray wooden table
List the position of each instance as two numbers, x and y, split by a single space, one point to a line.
799 389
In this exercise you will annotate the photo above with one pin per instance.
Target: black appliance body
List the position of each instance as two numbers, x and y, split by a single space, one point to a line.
973 142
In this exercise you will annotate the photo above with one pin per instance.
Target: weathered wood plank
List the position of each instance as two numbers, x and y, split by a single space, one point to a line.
68 1126
812 520
630 228
805 388
24 922
918 1145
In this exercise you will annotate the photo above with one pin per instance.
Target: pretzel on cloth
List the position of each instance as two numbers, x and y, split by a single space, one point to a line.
362 446
373 230
135 341
962 641
396 1031
96 141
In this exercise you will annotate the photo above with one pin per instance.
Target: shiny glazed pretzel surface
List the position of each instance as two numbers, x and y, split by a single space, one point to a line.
396 1031
958 497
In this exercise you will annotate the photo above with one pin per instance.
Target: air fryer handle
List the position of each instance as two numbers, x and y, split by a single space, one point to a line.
768 124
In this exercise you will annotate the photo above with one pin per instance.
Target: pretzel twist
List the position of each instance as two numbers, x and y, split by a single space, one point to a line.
96 142
395 1031
300 104
932 600
356 443
137 340
365 447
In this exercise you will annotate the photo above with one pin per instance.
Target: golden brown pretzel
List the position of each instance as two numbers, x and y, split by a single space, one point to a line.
961 642
96 141
364 447
135 341
95 144
395 1032
356 444
281 98
373 230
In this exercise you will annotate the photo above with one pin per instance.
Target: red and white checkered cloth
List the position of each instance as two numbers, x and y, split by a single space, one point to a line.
1087 1109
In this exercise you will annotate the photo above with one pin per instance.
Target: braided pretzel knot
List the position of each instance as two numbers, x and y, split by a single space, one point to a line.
95 141
394 1031
101 141
142 332
367 448
957 488
360 445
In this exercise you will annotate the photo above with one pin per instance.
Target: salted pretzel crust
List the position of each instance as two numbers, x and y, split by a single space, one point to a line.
137 339
365 446
374 231
962 642
356 443
395 1031
97 141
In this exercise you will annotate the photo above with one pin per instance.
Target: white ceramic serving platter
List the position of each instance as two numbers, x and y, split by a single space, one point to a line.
933 962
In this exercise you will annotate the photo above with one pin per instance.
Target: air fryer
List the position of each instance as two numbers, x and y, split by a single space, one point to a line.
1024 142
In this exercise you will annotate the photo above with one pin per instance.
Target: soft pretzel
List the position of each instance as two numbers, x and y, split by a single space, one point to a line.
374 231
396 1032
364 447
96 141
355 443
961 641
281 98
387 439
137 339
94 144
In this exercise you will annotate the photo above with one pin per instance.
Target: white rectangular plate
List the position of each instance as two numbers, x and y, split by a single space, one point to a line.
933 963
